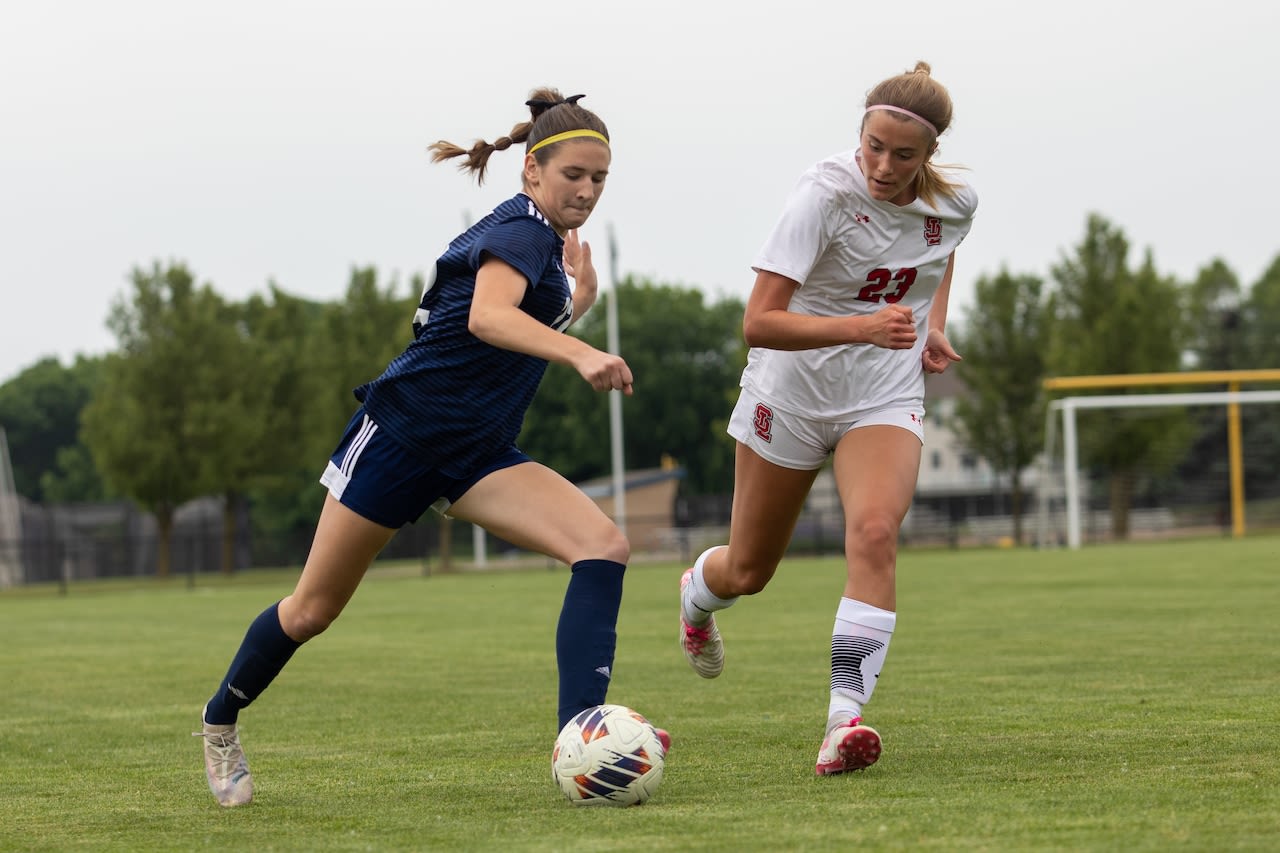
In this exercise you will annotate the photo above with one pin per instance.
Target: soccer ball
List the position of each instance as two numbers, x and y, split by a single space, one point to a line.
608 755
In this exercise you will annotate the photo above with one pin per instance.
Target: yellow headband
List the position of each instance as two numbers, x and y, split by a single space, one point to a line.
569 134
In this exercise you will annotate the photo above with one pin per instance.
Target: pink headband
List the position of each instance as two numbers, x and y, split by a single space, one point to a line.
907 113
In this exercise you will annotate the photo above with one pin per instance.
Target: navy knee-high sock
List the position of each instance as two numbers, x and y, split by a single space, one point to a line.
264 652
587 635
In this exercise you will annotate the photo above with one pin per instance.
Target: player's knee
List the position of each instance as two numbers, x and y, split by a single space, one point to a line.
748 576
748 585
306 620
605 542
872 535
615 546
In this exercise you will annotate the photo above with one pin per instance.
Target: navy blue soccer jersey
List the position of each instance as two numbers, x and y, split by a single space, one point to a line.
451 398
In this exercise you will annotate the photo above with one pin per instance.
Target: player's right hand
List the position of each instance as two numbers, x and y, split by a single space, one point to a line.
605 372
892 327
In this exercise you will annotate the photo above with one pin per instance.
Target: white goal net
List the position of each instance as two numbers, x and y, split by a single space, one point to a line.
1194 484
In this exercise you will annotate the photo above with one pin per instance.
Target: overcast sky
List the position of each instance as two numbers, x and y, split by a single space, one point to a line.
285 141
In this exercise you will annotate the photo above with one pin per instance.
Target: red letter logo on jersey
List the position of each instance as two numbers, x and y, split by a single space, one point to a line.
764 422
932 230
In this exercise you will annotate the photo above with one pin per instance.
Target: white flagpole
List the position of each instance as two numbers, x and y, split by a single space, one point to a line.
615 397
479 550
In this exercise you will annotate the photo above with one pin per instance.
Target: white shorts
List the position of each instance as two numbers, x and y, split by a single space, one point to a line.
797 442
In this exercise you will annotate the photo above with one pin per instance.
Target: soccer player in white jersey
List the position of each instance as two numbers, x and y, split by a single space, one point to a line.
437 429
847 314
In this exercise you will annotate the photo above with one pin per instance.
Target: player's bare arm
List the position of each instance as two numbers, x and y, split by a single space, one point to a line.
496 319
938 353
768 323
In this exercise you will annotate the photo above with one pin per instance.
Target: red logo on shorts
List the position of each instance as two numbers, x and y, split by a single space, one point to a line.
932 230
764 422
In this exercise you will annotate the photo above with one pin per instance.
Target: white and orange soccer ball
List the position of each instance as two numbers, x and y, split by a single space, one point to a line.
608 755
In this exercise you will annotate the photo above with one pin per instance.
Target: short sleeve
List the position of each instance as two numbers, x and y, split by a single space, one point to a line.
521 241
802 232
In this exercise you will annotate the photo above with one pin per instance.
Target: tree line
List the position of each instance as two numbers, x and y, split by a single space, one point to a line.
1099 313
206 396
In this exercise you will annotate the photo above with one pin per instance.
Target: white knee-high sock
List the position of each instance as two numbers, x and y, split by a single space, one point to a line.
859 643
697 602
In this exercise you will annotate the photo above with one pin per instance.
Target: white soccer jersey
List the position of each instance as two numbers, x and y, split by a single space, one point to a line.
853 255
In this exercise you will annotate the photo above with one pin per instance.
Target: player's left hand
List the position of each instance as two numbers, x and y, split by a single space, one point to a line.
938 353
577 259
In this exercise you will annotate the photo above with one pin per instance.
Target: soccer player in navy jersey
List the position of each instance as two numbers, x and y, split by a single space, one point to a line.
437 429
846 316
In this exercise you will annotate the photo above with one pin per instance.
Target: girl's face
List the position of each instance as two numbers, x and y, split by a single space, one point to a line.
893 151
568 186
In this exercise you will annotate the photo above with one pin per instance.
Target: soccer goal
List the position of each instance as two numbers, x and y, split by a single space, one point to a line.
1064 509
10 522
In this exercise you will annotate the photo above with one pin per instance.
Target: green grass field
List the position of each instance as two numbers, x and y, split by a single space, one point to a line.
1115 698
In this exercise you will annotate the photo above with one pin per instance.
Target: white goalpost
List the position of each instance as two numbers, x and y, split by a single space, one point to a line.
1063 483
10 521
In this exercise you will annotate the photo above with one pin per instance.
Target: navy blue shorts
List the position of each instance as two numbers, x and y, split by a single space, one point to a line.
374 476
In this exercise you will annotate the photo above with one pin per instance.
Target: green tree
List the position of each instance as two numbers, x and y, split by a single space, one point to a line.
305 358
356 339
1213 304
283 332
346 344
230 412
159 418
1001 340
1108 319
74 478
1214 342
40 412
1260 319
686 357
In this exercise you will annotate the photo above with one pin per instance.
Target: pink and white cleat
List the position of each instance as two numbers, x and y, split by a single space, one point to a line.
847 747
701 644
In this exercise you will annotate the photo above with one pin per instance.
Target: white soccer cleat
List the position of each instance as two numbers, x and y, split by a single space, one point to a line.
225 766
851 746
702 646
